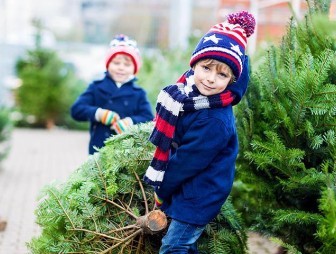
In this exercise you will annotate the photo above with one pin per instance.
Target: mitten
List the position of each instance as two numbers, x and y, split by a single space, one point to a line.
158 201
106 116
122 125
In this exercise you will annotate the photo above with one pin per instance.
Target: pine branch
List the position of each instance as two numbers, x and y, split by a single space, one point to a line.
122 241
101 176
143 192
60 204
118 206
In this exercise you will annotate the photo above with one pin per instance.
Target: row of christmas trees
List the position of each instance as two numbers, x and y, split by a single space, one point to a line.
287 129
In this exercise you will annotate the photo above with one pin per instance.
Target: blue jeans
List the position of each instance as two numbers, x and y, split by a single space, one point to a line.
181 238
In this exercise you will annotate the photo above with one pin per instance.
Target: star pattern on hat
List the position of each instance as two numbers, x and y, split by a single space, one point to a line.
212 38
236 48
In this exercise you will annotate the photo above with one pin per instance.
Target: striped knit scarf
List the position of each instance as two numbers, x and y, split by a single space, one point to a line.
173 99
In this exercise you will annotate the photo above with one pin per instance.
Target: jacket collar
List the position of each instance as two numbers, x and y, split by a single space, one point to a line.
109 86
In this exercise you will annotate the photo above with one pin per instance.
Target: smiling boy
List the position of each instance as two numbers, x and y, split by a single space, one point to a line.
195 134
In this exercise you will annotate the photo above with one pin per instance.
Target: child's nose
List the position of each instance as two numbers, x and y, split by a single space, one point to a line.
211 77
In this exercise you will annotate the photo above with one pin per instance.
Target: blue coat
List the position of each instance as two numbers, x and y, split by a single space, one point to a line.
200 171
201 166
129 100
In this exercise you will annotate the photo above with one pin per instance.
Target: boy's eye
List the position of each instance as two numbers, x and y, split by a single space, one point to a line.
205 67
223 75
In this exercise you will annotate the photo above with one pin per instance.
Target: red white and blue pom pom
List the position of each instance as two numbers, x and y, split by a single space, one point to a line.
245 20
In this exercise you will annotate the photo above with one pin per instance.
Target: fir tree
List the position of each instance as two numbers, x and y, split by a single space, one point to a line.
46 91
97 209
287 130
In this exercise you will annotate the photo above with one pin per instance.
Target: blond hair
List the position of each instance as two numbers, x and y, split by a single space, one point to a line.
220 67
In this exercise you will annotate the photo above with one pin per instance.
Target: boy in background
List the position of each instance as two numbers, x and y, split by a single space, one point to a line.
115 102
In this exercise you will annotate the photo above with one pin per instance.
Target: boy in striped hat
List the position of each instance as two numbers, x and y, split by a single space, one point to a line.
195 133
114 103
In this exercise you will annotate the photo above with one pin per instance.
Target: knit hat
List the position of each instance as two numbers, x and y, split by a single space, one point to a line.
226 42
121 44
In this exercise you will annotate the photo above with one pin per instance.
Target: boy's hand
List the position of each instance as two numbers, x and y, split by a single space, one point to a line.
122 125
106 116
158 200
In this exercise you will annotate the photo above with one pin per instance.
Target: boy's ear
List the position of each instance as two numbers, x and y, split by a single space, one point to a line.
233 80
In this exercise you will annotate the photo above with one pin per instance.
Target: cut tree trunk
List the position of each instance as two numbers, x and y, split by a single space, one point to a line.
153 222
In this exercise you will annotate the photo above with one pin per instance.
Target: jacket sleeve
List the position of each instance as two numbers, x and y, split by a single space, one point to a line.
144 111
84 109
199 146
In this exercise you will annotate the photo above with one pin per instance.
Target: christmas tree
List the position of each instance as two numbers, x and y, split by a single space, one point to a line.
287 130
103 207
48 84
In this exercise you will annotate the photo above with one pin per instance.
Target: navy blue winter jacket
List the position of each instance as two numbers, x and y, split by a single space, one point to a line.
129 100
201 166
200 171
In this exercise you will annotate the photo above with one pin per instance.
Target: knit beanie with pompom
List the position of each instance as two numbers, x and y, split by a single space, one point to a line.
226 42
121 44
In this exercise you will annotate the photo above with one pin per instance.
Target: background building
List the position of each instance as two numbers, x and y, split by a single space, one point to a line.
80 30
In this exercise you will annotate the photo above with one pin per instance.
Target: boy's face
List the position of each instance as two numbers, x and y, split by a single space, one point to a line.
211 77
121 68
